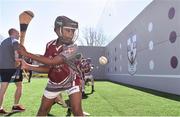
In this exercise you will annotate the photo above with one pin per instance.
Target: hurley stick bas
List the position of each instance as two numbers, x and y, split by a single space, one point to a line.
24 19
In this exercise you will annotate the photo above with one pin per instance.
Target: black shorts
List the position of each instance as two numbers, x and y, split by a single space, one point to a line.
10 75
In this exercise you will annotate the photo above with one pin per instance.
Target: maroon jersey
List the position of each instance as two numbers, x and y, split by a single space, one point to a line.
85 66
58 73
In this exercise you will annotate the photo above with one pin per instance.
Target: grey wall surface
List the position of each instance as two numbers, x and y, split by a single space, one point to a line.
94 53
146 53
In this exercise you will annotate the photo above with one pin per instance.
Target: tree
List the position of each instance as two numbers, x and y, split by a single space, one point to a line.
92 37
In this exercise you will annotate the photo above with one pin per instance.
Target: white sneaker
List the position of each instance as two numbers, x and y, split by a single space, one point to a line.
85 113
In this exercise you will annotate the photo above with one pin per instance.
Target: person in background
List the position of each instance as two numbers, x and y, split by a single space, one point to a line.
87 75
8 69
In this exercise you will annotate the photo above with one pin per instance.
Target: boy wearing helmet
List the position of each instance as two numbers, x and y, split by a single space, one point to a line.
62 77
86 68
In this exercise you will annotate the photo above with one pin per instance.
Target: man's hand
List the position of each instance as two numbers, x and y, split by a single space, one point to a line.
18 62
23 64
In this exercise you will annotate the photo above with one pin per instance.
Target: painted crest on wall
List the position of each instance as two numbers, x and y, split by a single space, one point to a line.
132 52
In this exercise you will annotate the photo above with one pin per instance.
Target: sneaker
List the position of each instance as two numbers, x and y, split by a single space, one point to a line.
18 108
2 112
85 113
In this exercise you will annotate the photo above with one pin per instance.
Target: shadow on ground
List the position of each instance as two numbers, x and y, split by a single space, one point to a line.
151 91
12 113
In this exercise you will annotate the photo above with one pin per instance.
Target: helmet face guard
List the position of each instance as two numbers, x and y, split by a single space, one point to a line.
75 35
64 22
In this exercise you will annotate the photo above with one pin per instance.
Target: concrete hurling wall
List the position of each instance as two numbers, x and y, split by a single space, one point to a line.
146 53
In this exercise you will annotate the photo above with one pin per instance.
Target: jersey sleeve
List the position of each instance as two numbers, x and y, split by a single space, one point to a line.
46 51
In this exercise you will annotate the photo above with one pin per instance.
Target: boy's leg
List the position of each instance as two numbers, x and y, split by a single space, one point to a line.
75 101
45 106
75 97
47 101
92 83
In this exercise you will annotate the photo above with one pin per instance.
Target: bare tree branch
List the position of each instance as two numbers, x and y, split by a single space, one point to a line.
93 37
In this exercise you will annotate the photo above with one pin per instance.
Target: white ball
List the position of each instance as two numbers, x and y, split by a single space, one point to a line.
103 60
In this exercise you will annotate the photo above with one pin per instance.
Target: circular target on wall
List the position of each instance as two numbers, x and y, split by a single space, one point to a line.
120 45
151 65
174 62
171 13
172 37
150 27
151 45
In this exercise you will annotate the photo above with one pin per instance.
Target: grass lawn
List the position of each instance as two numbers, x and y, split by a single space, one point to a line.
109 99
